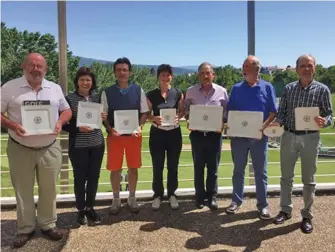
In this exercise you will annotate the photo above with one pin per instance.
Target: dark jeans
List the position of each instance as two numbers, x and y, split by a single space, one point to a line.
206 151
162 141
86 163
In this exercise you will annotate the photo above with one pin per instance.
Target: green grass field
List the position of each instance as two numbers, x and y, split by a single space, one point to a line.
186 168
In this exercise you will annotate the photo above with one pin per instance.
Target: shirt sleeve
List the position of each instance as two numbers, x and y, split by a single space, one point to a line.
230 105
326 107
144 104
63 104
187 104
272 101
225 106
104 102
5 97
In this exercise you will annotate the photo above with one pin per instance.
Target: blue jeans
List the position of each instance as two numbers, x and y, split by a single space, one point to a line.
240 148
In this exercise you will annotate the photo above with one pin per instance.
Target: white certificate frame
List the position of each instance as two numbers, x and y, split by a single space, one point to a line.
245 124
304 118
89 114
206 118
126 121
38 119
168 116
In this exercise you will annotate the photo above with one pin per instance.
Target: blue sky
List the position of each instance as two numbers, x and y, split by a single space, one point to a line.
185 33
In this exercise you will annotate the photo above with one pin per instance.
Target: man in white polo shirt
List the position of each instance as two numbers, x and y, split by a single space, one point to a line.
35 154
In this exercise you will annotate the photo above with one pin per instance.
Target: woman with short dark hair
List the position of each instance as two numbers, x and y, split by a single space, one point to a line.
86 148
165 138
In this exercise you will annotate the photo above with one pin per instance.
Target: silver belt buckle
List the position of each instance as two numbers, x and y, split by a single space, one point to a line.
205 133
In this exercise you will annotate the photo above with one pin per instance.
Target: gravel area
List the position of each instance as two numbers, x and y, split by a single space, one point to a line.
187 229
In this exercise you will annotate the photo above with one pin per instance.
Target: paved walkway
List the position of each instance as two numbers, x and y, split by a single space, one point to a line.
187 229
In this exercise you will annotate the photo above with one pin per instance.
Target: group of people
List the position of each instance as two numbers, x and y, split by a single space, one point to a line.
41 155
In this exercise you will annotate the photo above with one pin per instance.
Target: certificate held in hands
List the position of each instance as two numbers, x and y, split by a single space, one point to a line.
206 117
89 114
245 124
304 118
38 119
168 117
126 121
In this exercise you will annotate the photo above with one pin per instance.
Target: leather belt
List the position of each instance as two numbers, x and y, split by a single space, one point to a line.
166 128
32 148
301 132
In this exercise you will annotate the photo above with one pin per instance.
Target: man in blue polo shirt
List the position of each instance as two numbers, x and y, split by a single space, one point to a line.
252 94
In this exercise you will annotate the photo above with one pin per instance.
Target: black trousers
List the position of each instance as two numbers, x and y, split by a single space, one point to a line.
162 141
206 151
86 163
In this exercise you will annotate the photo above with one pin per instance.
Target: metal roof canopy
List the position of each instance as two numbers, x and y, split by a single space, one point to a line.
62 40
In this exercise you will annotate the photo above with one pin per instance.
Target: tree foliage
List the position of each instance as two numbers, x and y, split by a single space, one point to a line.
15 45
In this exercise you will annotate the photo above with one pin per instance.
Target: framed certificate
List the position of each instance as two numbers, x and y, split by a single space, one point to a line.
38 119
126 121
245 124
168 116
89 114
206 117
304 118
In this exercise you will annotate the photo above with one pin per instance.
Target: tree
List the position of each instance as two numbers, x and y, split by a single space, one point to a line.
16 45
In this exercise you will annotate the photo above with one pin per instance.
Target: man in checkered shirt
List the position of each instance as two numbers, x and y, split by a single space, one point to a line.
306 92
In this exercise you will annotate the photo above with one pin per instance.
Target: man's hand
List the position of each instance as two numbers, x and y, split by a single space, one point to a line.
137 133
58 128
320 121
158 120
273 124
20 131
85 129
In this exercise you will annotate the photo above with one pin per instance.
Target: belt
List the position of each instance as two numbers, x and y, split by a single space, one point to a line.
205 133
166 128
32 148
301 132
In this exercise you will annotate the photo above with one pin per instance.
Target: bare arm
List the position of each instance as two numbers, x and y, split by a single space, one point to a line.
7 123
181 112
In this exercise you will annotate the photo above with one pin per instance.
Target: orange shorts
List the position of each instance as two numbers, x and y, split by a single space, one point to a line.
117 146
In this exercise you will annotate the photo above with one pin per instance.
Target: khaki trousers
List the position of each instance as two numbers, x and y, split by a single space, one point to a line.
24 163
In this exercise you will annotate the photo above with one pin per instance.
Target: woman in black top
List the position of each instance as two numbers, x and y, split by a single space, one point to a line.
86 148
165 138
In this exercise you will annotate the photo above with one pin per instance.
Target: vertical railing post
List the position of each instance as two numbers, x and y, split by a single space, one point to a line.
62 46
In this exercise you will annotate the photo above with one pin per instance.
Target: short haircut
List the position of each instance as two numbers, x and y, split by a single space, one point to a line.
164 68
123 60
85 71
205 64
304 57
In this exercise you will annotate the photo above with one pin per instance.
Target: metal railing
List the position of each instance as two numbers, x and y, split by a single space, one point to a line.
66 175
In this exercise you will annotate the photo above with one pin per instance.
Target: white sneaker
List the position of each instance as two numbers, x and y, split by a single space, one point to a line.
115 207
173 202
156 204
132 204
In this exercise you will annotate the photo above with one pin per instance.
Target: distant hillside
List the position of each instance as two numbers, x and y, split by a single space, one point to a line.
176 70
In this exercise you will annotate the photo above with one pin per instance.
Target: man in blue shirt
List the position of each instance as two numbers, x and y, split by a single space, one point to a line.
252 94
